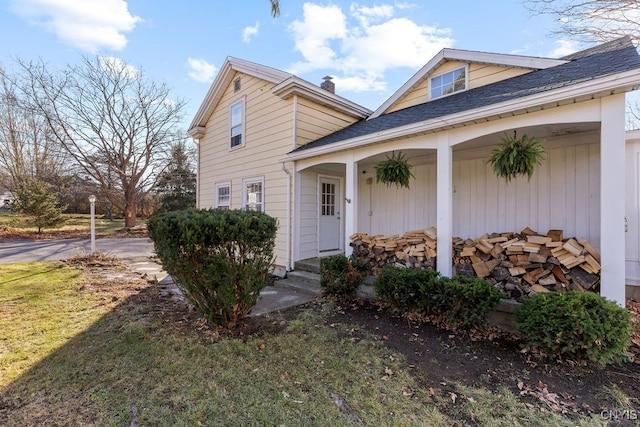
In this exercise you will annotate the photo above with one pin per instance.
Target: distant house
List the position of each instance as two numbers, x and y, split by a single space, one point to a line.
271 141
5 199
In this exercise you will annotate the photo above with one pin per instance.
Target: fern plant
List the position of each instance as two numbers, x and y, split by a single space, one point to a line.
394 170
517 156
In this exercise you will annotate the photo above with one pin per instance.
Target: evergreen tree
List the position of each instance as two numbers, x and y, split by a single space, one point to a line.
176 189
39 203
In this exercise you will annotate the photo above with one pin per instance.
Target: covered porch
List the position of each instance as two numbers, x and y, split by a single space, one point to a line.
579 188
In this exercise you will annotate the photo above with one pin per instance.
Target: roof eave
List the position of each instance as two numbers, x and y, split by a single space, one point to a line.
616 83
297 86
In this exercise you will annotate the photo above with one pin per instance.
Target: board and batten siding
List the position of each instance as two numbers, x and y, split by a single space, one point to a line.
479 75
268 137
564 193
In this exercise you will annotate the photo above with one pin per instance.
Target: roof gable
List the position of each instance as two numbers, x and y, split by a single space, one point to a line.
464 56
285 85
610 68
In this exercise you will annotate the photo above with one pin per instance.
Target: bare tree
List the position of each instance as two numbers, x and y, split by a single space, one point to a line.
117 124
27 147
592 20
275 8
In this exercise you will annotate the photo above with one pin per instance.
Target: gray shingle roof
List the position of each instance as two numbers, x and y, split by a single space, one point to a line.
609 58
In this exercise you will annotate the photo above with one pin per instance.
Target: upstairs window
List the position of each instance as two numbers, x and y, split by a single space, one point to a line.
236 124
448 83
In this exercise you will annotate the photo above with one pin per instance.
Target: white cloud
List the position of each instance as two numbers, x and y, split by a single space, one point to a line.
364 44
118 66
564 48
249 32
201 70
90 25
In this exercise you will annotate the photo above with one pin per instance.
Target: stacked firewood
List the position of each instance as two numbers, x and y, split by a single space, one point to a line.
413 249
518 263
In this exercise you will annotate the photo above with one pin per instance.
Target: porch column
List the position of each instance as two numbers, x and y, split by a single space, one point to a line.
612 198
351 203
444 207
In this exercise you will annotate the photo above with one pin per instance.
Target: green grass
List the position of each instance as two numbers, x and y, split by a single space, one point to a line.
67 358
74 222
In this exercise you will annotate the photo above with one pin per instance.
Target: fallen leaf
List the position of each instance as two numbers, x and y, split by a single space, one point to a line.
453 396
520 385
408 392
388 371
431 392
261 346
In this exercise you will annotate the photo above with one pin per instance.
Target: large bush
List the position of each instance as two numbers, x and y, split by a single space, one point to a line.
457 302
583 325
219 258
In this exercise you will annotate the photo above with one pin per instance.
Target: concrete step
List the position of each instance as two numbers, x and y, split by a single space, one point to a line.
302 281
312 265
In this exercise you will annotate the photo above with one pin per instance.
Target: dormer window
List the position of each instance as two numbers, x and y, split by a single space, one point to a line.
448 83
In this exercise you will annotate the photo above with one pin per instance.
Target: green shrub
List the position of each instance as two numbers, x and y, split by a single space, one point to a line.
582 325
467 301
457 302
339 277
405 288
219 258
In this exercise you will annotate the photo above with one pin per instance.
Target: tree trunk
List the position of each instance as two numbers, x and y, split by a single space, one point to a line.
130 215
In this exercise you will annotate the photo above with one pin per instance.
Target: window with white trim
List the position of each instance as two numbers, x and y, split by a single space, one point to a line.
253 194
223 195
448 83
236 124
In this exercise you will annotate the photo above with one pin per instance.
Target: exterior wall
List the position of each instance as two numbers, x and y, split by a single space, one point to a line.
268 137
307 215
479 75
315 121
632 211
563 193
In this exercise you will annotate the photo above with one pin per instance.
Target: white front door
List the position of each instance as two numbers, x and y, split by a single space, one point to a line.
329 213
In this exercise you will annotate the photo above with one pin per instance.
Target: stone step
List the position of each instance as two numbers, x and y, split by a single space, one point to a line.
302 281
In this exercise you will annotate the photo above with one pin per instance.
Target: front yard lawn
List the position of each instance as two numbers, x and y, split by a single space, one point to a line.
90 343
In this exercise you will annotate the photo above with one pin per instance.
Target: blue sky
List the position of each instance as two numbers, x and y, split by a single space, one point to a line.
370 47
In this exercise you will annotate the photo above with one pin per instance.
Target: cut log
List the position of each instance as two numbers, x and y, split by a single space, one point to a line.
540 240
481 269
574 247
533 257
539 288
556 235
584 279
590 249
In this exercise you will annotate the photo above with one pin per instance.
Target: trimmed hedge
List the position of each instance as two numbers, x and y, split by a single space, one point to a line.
577 324
452 302
219 258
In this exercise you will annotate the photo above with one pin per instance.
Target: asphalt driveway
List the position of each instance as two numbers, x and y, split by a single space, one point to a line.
52 250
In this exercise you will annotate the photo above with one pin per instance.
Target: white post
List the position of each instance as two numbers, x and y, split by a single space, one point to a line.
92 204
351 203
444 200
612 198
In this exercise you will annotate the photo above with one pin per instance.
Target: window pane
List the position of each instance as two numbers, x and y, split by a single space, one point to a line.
236 114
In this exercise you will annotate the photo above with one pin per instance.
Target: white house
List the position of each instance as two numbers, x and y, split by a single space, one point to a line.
271 141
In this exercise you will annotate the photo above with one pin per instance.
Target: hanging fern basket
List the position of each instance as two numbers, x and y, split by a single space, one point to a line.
394 170
517 156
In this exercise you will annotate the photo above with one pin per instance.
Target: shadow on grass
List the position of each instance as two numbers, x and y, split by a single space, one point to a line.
95 377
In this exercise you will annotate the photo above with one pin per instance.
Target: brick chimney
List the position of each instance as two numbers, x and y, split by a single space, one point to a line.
328 85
